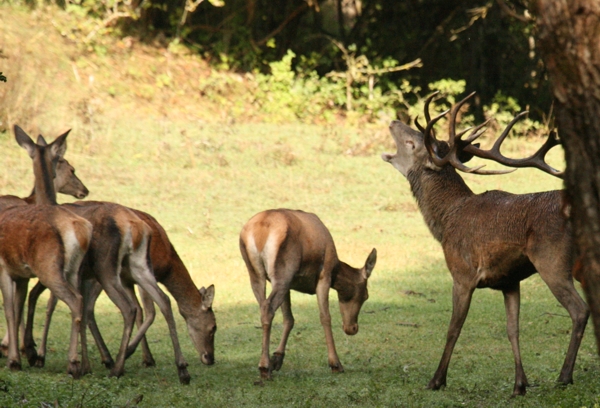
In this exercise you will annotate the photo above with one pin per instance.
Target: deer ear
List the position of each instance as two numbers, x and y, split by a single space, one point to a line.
370 264
24 141
41 141
465 157
59 146
208 295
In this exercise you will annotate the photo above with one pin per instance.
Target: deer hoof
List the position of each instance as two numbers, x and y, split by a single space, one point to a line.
184 376
265 373
40 361
32 356
118 373
149 362
435 384
74 369
277 361
14 365
109 364
337 368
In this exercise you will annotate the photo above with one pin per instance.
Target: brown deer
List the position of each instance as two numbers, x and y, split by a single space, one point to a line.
294 250
117 253
45 241
490 240
195 305
65 182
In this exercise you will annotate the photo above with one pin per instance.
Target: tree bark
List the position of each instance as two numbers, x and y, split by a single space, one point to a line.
569 38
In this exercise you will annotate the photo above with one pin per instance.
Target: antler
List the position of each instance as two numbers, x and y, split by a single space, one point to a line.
458 145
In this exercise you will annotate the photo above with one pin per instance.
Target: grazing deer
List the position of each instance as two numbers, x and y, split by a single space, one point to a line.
45 241
195 305
118 252
294 250
490 240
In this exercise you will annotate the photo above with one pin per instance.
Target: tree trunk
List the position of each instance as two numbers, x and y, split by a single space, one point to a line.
569 38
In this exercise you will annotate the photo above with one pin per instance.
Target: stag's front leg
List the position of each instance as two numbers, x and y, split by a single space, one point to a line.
288 324
512 302
323 298
461 300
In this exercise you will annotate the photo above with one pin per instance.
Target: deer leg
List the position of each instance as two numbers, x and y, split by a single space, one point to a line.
41 352
148 283
288 324
512 301
66 292
563 289
8 287
323 299
34 295
267 312
143 321
461 301
93 292
114 289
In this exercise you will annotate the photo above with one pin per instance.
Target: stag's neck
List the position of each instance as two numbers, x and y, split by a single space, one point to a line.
179 283
438 193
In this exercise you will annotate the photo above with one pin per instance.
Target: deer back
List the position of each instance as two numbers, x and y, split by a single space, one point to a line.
290 246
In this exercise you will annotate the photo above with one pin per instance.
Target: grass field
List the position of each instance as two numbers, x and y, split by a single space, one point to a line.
203 171
203 182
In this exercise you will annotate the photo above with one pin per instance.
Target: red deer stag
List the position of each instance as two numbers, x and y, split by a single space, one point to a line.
45 241
294 250
490 240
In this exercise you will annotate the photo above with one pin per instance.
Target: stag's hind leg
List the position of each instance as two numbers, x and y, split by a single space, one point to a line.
512 302
560 283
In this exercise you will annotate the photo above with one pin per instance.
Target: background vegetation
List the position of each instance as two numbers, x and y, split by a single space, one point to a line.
160 128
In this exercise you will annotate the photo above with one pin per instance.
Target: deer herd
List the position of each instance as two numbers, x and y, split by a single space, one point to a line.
490 240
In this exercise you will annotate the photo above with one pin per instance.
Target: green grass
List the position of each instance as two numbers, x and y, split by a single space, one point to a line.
203 181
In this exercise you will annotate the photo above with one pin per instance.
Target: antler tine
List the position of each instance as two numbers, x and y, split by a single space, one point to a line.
477 131
427 102
426 112
507 130
430 140
452 121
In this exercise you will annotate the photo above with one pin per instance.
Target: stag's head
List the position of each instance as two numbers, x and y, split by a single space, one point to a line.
421 148
202 326
351 285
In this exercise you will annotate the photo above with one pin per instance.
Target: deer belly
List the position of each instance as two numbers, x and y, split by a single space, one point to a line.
305 282
504 272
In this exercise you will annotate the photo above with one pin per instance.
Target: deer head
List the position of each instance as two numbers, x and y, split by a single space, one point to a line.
351 285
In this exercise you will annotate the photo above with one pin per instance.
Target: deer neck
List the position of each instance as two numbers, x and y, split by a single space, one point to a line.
438 193
44 192
179 283
341 276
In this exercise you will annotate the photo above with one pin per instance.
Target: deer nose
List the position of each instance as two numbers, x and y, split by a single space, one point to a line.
351 330
208 359
393 123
